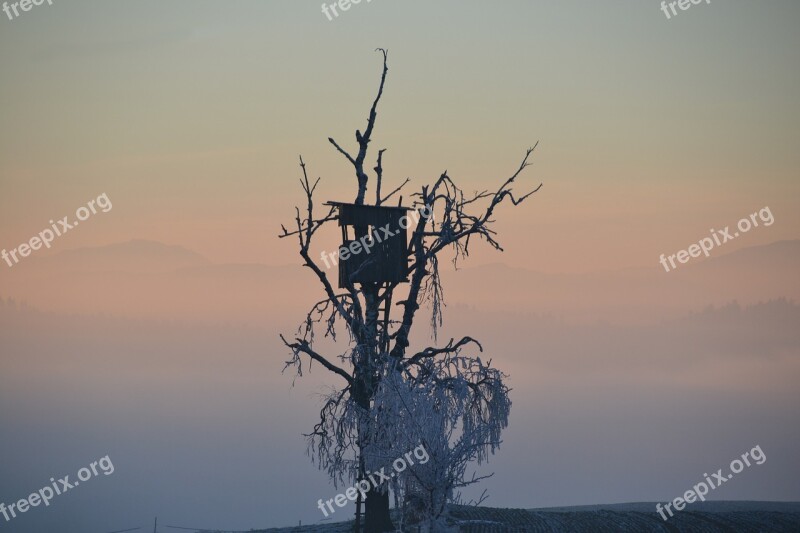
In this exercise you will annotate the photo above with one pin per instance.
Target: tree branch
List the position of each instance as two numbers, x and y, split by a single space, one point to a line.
448 349
363 140
302 346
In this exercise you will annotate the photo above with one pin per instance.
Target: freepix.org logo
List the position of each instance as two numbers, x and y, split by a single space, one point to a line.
47 235
343 5
682 4
699 491
370 482
24 5
366 242
705 245
56 488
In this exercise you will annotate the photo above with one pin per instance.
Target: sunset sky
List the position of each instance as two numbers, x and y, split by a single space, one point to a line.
191 117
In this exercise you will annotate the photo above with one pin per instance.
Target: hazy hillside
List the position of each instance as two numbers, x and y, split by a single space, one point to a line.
748 276
137 255
146 278
164 383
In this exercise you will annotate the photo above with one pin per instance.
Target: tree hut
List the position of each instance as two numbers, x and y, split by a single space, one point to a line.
374 243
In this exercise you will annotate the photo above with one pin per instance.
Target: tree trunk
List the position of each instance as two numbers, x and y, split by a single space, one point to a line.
376 506
377 518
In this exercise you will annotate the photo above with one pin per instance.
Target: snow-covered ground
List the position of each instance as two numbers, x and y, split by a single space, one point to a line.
712 517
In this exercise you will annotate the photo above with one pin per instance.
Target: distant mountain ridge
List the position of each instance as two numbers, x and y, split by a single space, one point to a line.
140 277
135 256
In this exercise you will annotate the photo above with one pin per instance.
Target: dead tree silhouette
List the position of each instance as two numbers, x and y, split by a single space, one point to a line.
389 396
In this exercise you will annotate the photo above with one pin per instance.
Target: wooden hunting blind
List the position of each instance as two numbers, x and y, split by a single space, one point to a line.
375 242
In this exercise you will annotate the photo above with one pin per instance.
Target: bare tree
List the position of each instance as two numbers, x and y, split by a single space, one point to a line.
455 404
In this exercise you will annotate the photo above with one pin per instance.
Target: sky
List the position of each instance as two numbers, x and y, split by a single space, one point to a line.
191 117
150 332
